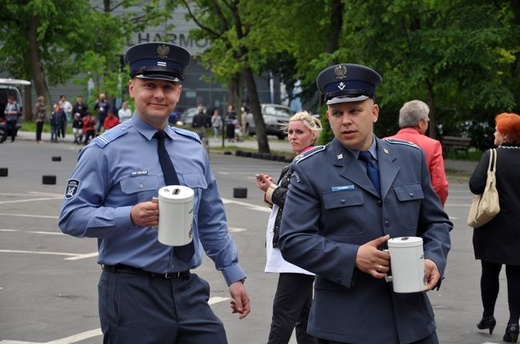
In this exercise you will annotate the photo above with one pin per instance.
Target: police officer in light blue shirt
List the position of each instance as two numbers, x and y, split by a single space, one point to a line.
146 293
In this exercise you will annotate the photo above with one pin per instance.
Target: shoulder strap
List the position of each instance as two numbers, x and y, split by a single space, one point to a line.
492 160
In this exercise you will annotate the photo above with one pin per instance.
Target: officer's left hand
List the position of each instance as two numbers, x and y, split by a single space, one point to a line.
240 302
431 273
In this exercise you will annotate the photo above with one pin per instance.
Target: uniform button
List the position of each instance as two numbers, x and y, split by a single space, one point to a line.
343 200
141 186
171 266
379 202
411 194
387 223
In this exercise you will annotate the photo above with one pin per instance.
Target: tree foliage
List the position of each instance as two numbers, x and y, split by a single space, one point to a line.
460 56
52 42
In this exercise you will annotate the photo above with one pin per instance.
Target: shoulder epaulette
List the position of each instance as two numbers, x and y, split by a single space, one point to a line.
109 136
402 142
299 158
187 133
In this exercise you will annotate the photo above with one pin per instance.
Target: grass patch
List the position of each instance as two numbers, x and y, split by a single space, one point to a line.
473 155
30 126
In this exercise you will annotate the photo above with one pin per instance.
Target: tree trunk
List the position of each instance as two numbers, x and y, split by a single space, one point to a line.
336 24
432 127
261 132
36 66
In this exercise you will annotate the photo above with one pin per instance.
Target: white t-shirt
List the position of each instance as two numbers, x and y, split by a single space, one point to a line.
275 261
124 114
67 107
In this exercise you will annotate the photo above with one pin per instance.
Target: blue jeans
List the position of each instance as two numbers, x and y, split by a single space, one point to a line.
10 126
55 129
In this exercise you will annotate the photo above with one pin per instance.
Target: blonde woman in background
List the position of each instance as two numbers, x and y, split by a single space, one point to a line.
293 298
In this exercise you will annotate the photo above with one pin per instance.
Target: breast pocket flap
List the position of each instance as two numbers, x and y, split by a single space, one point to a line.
411 192
346 198
139 184
194 181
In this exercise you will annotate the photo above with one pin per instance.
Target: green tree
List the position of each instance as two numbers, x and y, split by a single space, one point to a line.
448 53
52 42
236 52
42 40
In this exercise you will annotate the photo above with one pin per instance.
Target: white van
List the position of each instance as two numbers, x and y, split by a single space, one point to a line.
11 87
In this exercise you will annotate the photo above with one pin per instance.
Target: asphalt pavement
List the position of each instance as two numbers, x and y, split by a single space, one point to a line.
48 281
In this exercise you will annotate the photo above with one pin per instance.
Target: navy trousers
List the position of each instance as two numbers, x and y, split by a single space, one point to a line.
431 339
141 309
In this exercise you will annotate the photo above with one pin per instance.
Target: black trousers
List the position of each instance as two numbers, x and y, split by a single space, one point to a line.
39 129
489 287
291 308
143 309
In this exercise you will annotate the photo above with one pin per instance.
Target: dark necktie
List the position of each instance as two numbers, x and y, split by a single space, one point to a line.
372 169
170 178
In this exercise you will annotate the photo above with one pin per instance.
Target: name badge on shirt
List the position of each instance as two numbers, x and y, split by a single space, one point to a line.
139 173
343 187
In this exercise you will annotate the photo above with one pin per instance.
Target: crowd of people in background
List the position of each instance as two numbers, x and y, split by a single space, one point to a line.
229 125
84 123
208 122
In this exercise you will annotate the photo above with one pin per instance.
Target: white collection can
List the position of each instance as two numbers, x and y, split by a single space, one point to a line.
407 264
175 215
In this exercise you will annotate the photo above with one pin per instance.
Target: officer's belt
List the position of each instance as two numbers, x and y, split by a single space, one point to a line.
126 269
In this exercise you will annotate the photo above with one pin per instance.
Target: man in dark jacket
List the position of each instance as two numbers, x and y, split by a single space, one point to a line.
200 123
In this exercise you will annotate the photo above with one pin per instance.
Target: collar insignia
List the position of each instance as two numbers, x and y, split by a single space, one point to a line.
339 156
385 150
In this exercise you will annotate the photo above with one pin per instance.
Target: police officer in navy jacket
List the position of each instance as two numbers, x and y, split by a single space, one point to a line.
340 211
147 292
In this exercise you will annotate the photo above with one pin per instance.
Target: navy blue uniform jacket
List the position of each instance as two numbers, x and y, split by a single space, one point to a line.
331 209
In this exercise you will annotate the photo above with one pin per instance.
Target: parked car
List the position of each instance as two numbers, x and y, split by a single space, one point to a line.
276 117
11 87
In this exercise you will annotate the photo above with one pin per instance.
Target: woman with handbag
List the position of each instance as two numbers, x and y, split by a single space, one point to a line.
293 298
497 242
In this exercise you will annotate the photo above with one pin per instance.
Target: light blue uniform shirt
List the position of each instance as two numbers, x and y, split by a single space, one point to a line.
119 169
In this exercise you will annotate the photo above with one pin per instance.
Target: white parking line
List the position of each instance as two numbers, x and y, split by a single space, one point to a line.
262 208
27 215
67 340
30 200
73 256
30 232
83 256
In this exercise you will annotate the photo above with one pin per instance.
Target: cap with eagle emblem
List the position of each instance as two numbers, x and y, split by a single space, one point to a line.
348 82
157 60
